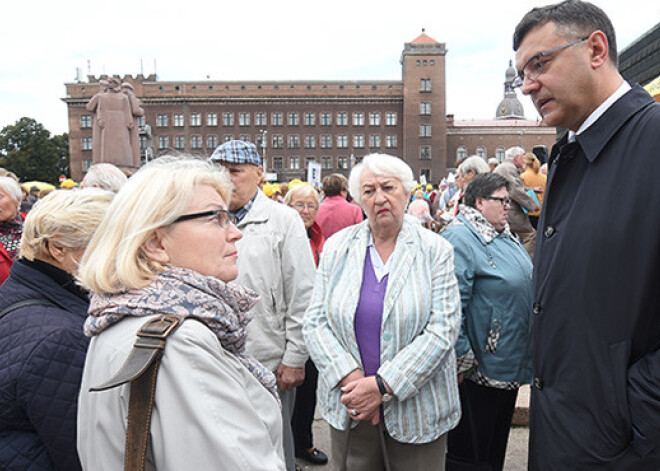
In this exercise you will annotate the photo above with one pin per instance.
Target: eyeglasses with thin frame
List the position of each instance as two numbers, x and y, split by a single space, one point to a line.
533 68
221 216
504 201
300 206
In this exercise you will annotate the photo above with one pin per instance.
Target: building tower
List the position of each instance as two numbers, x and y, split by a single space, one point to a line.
424 105
510 107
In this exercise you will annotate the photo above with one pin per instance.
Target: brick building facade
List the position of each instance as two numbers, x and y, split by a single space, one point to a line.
334 123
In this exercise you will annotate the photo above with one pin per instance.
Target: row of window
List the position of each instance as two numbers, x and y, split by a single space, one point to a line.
462 152
294 162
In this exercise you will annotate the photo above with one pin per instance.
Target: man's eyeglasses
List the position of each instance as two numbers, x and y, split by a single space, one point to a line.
534 67
504 201
300 206
221 216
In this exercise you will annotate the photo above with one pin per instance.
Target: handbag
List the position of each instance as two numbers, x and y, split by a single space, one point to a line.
141 370
381 439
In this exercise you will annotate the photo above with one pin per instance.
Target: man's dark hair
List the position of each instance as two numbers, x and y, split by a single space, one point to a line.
333 184
482 186
573 18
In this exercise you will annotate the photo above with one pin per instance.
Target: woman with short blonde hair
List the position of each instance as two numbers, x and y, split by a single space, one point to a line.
42 311
167 247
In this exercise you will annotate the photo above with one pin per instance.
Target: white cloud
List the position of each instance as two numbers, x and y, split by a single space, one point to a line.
44 42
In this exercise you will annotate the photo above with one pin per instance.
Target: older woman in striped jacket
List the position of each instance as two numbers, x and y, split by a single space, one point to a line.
381 329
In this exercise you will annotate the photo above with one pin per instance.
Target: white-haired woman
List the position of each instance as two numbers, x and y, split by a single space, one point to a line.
11 224
466 171
215 406
42 311
381 329
305 199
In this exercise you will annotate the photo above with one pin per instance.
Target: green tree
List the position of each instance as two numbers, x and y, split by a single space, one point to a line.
27 149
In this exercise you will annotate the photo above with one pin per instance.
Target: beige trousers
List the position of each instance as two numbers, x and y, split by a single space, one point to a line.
364 453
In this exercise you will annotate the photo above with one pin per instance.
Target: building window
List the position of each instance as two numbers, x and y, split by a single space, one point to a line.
310 142
163 142
245 138
293 119
358 141
499 154
229 137
196 142
425 108
390 142
211 119
390 119
260 119
342 119
374 141
294 141
161 121
310 119
309 160
326 163
143 143
211 142
374 119
243 119
424 130
178 120
481 152
86 164
228 119
277 163
276 119
342 162
358 119
326 119
425 152
326 142
86 143
425 85
461 153
195 119
294 163
179 142
277 141
342 142
85 121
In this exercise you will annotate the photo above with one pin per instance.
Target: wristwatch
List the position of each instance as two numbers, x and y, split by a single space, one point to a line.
384 395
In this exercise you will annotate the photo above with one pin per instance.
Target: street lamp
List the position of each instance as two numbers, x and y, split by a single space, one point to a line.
264 135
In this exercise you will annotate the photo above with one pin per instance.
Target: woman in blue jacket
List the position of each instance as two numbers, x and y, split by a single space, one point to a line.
42 345
494 277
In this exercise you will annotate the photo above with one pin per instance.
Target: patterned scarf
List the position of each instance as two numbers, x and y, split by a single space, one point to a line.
10 236
481 224
181 292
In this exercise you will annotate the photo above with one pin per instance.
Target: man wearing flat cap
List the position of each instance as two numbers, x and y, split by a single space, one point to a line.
275 260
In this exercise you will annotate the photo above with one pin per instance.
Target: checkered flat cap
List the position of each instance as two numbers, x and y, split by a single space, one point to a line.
237 152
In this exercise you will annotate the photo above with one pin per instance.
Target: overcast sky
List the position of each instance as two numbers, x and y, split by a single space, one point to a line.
43 42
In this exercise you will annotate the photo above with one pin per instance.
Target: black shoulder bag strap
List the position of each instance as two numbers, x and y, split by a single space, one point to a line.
141 369
26 303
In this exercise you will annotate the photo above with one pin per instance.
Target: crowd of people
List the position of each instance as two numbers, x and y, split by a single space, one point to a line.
192 316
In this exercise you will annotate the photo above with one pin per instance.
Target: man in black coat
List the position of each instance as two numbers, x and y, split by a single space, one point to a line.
596 314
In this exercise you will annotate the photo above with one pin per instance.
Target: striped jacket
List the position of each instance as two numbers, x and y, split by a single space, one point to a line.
421 320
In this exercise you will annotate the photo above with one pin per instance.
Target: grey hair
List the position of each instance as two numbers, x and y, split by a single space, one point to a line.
302 191
383 165
12 188
511 152
475 164
105 176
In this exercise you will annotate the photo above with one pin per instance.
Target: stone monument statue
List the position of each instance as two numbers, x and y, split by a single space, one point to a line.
113 124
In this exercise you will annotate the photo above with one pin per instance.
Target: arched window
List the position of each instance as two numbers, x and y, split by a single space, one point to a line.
499 153
481 152
461 153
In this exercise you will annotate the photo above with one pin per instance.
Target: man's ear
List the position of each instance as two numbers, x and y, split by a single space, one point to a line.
598 48
154 249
